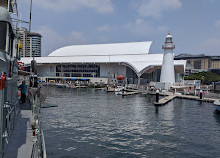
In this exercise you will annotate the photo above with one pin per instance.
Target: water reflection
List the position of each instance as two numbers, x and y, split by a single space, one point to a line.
217 116
107 125
156 111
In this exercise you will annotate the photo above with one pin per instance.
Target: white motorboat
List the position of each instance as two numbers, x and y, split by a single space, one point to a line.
217 105
119 90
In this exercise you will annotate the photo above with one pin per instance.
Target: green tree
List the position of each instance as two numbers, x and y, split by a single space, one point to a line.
205 77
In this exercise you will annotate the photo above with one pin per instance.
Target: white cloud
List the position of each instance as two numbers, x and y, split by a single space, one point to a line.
155 8
101 6
51 40
104 28
217 24
141 27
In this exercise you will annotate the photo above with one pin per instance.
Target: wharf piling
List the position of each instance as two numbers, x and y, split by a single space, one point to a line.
157 96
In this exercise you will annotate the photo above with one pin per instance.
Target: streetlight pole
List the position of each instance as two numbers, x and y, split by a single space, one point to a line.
30 17
33 63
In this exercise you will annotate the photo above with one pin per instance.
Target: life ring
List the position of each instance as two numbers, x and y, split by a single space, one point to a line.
2 86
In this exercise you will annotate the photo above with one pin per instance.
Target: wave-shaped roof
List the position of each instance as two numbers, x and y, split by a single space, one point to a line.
135 54
137 62
104 49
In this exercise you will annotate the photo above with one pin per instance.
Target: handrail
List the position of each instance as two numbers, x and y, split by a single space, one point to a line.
43 145
33 151
39 148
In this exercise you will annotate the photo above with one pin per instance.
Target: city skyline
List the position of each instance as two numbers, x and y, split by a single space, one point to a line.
194 25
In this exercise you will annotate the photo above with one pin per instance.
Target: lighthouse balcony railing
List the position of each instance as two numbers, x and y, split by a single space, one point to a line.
172 46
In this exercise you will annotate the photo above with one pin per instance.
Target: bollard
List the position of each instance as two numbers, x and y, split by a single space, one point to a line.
201 94
157 96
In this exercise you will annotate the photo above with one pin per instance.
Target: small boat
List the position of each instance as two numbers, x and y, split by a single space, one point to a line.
60 85
217 106
119 90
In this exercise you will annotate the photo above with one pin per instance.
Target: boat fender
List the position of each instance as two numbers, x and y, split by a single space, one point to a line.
2 86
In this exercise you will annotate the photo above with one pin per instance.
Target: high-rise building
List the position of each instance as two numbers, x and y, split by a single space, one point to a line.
31 43
200 62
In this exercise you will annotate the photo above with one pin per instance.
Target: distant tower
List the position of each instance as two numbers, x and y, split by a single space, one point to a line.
167 71
30 41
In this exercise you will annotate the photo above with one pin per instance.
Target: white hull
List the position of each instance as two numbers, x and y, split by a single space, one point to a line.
118 93
217 105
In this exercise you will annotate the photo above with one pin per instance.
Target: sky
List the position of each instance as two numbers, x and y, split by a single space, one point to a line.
194 24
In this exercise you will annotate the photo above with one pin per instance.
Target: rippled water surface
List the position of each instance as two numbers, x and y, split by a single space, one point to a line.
89 123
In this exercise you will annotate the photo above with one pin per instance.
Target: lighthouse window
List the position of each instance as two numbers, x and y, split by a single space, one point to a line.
3 32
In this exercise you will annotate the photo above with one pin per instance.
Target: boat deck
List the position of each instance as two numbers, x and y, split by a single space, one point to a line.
21 143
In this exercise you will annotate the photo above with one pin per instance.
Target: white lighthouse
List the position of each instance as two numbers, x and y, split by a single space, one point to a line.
167 72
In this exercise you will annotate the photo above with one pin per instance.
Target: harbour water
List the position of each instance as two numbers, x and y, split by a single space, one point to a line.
89 123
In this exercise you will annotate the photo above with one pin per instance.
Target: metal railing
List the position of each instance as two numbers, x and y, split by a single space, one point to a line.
39 148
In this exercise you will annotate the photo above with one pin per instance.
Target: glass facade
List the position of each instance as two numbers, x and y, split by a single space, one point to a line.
78 70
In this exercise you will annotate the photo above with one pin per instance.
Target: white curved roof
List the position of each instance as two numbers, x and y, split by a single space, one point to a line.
137 62
104 49
133 54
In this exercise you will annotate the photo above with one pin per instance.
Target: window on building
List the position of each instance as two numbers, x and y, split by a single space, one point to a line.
197 64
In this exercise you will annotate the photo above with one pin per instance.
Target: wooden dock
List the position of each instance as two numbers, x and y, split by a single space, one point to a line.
164 100
204 99
169 97
130 90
